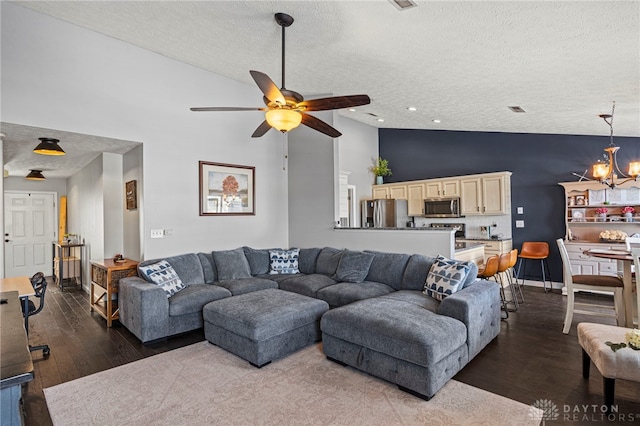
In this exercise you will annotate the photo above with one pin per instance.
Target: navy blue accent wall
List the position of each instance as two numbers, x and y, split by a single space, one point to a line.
538 162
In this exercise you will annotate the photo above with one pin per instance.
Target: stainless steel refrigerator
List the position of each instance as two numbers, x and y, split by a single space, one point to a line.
384 214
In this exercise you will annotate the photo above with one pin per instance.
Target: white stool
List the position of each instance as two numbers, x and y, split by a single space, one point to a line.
622 364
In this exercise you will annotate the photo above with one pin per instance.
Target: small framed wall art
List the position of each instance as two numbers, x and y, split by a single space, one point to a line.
226 189
131 195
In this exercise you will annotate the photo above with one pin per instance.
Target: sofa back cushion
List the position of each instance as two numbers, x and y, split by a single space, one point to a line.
308 259
258 260
208 267
387 268
415 274
231 264
187 266
353 266
328 260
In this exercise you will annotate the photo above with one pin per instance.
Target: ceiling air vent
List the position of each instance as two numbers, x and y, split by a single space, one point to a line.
516 109
403 4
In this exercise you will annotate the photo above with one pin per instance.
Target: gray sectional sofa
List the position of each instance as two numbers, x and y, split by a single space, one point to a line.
379 320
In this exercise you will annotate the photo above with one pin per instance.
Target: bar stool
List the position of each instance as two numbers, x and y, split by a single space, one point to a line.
511 270
535 250
504 262
489 271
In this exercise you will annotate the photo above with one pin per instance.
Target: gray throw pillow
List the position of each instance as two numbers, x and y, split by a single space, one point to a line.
258 260
231 264
328 260
353 266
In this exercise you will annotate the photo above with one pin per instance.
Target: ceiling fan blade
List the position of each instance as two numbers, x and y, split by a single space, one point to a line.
226 109
268 87
335 102
319 125
261 130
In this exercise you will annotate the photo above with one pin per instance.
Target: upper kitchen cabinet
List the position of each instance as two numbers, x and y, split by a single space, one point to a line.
485 195
442 188
390 190
415 198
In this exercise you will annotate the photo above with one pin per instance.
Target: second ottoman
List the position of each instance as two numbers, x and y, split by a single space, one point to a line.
264 325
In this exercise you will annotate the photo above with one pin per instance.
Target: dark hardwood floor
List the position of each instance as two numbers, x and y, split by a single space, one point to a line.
530 361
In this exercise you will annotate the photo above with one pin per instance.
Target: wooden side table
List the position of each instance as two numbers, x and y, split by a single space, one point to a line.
105 276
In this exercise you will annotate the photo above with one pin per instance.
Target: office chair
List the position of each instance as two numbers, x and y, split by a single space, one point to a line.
39 283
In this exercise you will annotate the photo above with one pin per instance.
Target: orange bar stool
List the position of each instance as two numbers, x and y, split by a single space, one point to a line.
504 263
535 250
512 269
489 271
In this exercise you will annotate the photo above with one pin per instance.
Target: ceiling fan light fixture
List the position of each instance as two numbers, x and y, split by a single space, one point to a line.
35 175
48 146
283 119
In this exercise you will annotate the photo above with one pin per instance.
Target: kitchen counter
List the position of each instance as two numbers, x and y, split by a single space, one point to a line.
424 228
487 239
462 246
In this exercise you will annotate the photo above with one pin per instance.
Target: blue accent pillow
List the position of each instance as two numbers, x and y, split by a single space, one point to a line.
445 277
164 276
284 261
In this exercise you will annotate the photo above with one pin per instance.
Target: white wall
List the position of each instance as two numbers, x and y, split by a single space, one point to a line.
132 170
113 198
104 87
2 209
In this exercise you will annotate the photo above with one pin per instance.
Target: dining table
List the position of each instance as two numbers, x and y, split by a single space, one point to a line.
624 261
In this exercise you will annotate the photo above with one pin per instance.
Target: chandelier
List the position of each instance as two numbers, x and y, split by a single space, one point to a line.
607 172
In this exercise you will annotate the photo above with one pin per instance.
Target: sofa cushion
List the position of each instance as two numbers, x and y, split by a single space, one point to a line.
445 277
284 261
247 285
344 293
164 276
353 266
258 260
414 297
194 297
231 264
415 274
208 267
308 259
328 260
187 266
387 268
307 285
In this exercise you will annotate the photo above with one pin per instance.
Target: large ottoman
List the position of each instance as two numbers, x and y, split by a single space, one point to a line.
401 342
622 364
264 325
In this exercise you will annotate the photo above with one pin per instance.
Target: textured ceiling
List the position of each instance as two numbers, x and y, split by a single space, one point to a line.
462 63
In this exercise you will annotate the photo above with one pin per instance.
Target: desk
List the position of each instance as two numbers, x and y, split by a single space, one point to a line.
16 366
624 260
24 288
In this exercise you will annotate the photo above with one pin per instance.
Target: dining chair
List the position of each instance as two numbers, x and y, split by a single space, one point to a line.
589 283
635 253
632 242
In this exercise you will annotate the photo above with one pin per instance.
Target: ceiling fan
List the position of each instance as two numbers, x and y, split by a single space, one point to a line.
286 109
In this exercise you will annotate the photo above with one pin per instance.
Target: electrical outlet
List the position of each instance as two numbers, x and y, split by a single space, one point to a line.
157 233
168 232
519 223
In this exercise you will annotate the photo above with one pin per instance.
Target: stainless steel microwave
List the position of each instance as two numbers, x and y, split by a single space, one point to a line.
442 207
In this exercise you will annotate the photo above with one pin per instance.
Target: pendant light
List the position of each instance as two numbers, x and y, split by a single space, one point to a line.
48 146
606 172
35 175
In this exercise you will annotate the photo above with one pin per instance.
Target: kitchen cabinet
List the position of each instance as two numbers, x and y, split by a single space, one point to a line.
415 198
391 191
492 247
442 188
486 195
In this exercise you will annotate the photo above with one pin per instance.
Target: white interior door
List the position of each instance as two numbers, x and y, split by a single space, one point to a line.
29 219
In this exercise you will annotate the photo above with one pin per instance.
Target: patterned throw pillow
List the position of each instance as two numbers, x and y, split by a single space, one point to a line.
445 277
163 275
284 261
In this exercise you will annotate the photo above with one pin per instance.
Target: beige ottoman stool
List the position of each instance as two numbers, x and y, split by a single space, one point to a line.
622 364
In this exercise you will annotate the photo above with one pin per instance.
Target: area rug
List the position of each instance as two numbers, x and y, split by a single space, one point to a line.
203 384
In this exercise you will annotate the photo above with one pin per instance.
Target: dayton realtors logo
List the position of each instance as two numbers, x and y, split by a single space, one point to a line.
545 409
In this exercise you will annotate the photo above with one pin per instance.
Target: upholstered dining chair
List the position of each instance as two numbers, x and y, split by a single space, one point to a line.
632 242
589 283
635 252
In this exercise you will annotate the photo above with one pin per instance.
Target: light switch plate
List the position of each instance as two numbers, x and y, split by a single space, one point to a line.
519 223
520 210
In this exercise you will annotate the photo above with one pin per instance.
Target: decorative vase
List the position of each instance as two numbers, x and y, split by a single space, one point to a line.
628 217
378 180
602 217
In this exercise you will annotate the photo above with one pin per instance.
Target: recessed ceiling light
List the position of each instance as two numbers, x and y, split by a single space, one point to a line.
412 108
352 109
436 121
380 120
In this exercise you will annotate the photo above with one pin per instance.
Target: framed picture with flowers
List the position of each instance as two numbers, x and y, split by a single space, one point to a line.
226 189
